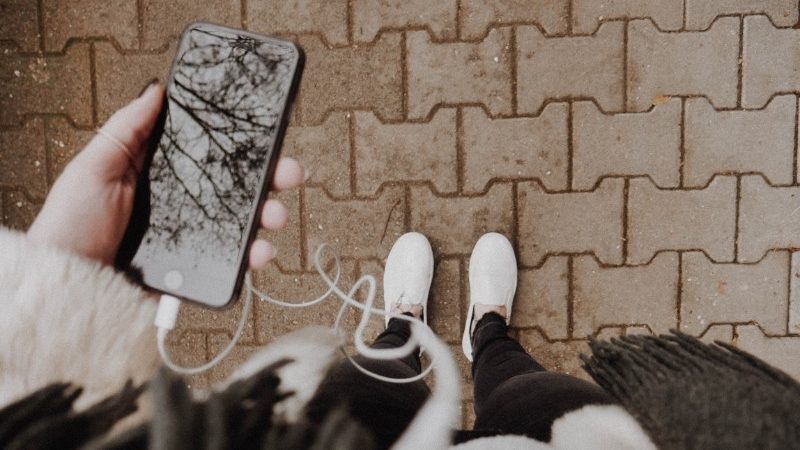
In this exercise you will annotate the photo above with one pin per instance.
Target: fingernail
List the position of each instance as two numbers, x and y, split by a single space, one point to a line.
306 173
147 86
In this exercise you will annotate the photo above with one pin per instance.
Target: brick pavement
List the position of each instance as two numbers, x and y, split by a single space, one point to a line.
642 157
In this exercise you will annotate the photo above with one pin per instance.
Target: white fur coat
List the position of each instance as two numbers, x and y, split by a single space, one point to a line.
65 318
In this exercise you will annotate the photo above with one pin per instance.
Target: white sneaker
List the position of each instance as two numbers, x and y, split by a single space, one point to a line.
492 280
408 273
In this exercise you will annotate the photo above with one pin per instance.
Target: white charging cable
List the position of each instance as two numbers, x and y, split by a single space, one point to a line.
421 334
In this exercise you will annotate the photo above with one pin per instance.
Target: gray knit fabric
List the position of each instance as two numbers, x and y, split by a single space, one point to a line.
691 395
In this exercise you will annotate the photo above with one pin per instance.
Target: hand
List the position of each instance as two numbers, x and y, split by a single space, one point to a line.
90 204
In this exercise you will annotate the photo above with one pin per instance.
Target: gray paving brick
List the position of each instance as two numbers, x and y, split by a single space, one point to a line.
356 77
559 356
768 66
19 22
478 15
53 84
121 76
703 219
454 224
18 210
116 19
370 16
587 14
483 75
542 298
794 294
645 295
626 144
406 152
769 218
357 228
571 222
778 351
739 141
707 61
734 293
524 147
163 22
700 13
586 66
23 159
326 17
324 150
62 143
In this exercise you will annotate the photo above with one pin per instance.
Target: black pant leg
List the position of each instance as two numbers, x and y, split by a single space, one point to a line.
384 408
514 394
496 358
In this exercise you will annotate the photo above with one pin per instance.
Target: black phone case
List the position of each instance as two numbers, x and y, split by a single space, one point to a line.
139 222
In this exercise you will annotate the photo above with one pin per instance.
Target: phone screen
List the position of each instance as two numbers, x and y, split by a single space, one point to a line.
226 103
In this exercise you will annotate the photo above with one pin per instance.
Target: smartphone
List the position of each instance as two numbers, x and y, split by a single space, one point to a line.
211 163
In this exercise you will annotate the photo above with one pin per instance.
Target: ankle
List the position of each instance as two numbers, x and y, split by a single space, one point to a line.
404 308
482 310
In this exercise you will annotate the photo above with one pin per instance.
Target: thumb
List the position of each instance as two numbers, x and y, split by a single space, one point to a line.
121 142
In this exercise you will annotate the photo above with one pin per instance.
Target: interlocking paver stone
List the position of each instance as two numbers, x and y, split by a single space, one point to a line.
357 77
734 293
454 224
559 356
197 317
523 147
53 84
63 142
444 304
188 348
794 294
18 210
370 16
19 23
273 321
542 298
163 21
406 152
722 333
739 141
700 13
324 150
237 357
769 218
691 63
23 161
584 222
778 351
645 295
587 14
702 219
116 19
359 228
288 241
483 75
326 17
121 76
557 67
626 144
768 66
478 15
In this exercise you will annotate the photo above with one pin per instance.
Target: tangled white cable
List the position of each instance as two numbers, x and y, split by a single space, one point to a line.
421 334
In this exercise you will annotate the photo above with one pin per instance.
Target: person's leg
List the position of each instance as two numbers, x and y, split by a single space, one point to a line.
514 394
384 408
496 358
